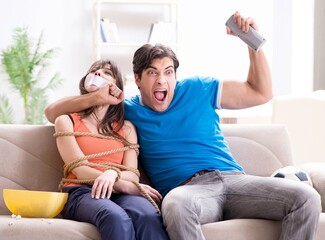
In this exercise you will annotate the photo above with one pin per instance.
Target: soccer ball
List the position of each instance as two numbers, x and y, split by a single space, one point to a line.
293 173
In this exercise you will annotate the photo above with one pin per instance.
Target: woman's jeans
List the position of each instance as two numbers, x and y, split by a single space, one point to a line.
121 217
216 196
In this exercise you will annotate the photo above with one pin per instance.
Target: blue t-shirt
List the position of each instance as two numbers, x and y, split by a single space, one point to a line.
185 138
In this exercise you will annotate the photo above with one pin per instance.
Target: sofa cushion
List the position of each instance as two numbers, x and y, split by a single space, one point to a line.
259 154
245 229
46 228
251 229
29 159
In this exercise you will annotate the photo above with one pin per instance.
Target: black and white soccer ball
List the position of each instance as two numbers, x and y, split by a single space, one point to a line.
293 173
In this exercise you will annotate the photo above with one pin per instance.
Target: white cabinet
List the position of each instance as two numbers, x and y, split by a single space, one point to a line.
129 25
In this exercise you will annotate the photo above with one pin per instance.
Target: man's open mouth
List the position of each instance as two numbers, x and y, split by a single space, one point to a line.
160 95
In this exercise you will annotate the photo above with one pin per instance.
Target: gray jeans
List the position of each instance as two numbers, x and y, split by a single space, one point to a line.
216 196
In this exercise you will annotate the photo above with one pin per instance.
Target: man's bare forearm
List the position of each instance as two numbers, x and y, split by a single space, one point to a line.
68 105
259 76
78 103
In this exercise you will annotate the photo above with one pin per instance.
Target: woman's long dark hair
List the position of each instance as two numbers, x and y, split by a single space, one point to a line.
114 113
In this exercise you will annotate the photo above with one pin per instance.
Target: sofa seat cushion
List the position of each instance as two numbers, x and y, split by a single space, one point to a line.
244 229
321 227
251 229
46 228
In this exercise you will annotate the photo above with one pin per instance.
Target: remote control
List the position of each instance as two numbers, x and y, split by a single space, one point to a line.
252 38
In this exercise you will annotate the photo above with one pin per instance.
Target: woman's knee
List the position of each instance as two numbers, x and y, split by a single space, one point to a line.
114 224
113 216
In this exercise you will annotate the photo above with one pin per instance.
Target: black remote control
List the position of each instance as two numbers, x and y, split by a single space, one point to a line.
252 38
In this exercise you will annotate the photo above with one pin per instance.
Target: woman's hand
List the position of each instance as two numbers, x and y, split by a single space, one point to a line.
103 184
153 193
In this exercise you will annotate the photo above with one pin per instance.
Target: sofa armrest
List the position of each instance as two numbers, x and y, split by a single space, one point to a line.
316 171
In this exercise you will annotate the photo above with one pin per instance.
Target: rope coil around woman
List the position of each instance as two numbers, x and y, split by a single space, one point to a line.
106 166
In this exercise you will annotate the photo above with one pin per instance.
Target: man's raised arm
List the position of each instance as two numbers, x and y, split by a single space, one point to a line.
257 89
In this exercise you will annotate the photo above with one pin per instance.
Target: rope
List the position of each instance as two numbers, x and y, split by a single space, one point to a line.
106 166
95 135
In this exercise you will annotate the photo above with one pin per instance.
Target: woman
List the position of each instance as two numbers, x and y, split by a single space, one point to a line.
100 177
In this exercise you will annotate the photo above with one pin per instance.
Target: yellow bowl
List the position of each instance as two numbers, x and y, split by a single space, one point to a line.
34 204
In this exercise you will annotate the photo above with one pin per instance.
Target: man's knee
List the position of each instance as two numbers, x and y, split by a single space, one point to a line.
311 199
176 202
314 200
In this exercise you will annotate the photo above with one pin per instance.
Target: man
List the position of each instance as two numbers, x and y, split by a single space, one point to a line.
184 151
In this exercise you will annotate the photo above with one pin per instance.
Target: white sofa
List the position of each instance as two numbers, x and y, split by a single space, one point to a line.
29 160
304 116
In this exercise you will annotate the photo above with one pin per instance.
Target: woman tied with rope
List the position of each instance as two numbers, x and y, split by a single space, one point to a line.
99 149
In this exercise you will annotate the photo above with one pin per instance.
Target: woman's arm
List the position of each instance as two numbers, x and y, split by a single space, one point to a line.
70 151
130 158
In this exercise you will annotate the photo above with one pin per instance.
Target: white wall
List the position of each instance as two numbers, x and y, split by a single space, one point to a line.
204 47
303 47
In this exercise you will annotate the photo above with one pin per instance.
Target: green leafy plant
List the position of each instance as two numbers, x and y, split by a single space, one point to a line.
25 65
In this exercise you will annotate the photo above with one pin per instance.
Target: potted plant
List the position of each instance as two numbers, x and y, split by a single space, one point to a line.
25 65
